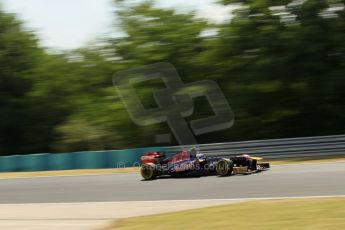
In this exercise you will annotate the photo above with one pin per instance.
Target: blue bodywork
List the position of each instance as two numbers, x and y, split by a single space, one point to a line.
186 163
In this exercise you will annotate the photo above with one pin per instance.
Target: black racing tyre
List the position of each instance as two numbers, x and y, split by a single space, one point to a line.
148 171
224 167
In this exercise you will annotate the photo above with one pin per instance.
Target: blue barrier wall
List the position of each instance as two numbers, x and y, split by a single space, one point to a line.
75 160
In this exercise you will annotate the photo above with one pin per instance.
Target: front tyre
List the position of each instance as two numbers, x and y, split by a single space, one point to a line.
224 167
148 171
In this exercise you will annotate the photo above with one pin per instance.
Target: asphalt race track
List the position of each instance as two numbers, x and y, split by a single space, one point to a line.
325 179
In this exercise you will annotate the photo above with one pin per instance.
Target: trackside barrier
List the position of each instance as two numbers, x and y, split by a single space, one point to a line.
75 160
277 148
270 149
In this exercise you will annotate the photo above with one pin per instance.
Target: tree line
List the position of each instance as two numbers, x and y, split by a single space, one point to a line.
280 65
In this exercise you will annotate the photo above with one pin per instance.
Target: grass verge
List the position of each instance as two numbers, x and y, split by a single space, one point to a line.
297 214
75 172
302 160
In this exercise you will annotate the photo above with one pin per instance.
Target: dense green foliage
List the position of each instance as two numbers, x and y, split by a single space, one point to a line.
280 64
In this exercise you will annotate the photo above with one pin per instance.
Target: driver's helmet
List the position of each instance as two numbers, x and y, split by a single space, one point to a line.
194 151
246 156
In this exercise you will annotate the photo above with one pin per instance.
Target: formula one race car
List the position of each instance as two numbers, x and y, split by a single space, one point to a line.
194 163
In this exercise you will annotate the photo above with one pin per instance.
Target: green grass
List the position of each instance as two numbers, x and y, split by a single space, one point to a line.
318 159
75 172
305 214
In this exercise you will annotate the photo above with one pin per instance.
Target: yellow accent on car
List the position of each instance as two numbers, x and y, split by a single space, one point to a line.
240 170
256 158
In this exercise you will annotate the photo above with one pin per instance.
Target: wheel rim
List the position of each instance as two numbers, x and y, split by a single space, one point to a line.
222 168
146 172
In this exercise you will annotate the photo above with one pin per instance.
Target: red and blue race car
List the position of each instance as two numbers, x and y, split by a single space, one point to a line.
194 163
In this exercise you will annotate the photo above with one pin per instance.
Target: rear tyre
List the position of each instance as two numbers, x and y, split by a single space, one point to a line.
148 171
224 167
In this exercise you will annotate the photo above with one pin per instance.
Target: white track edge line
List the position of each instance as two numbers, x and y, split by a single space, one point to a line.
190 200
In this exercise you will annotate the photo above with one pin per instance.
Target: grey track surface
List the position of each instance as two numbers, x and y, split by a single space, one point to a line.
280 181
